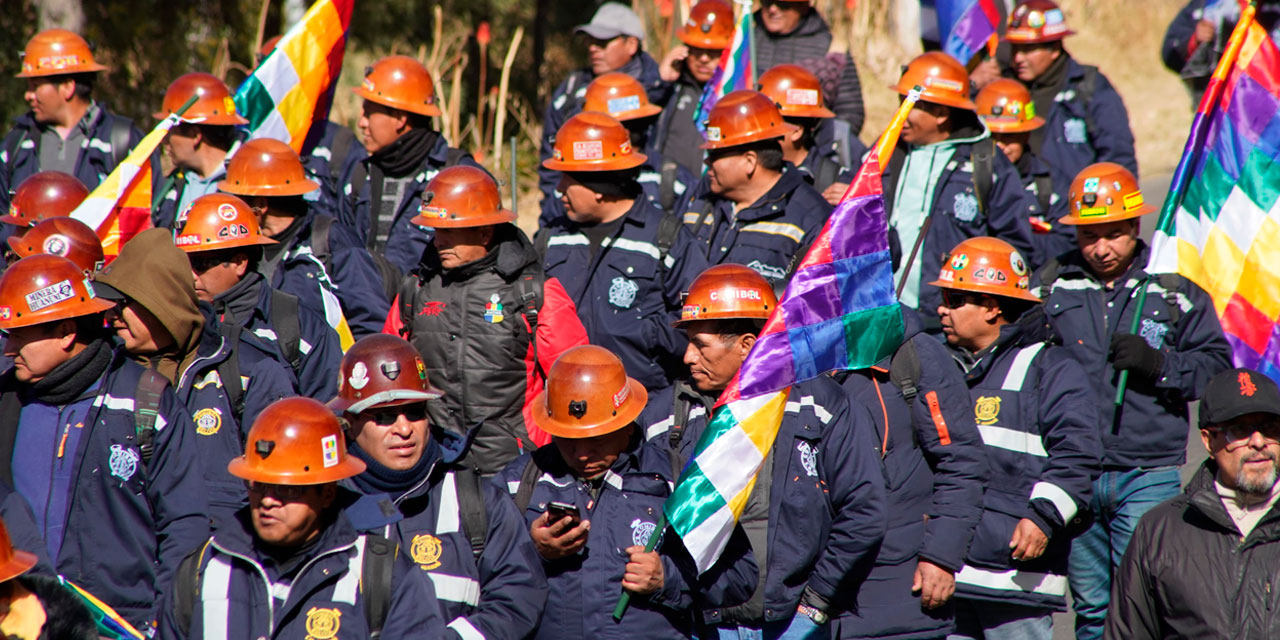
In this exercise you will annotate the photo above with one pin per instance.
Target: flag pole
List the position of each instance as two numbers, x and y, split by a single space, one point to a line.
157 197
1182 175
751 42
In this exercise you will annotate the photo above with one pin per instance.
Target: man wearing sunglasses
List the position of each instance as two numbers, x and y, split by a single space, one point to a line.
221 237
417 489
1039 422
291 564
1202 564
614 41
688 67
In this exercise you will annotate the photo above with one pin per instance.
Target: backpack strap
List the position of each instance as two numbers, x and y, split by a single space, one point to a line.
1044 193
338 151
1048 276
982 158
146 408
229 370
679 416
475 521
541 240
668 231
530 290
453 157
904 371
843 133
121 131
1172 284
284 319
320 227
1084 91
186 586
11 151
667 185
375 581
528 480
827 172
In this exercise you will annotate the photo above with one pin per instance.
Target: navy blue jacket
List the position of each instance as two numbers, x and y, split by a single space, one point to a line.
96 161
351 276
499 594
566 102
1068 145
319 164
957 216
220 430
1039 425
935 472
405 241
584 588
650 179
324 597
767 236
321 354
128 523
826 509
1151 429
836 153
1060 238
628 295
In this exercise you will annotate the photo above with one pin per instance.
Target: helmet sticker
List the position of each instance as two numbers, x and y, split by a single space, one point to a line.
588 150
1133 201
56 244
625 103
329 449
50 295
802 97
227 212
359 376
1091 185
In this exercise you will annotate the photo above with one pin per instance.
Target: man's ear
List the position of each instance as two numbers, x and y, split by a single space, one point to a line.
990 309
745 342
1205 436
67 334
633 45
241 262
67 89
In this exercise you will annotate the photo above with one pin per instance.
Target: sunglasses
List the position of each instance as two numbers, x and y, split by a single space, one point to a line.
1239 435
201 264
387 416
699 52
282 492
956 299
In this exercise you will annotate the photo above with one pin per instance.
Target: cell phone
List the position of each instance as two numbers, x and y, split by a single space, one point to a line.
559 510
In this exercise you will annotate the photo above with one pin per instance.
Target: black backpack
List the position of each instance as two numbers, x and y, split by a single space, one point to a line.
321 225
375 583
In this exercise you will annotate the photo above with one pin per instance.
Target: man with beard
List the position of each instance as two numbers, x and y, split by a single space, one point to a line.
1201 564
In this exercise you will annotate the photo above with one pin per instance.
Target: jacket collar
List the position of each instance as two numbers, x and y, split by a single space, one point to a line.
238 537
774 201
1202 497
511 254
1073 263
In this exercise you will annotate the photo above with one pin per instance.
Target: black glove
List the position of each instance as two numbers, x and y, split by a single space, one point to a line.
1132 352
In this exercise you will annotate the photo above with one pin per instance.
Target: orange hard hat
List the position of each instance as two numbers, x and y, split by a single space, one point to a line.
727 291
381 370
986 265
296 441
743 117
944 80
266 167
219 221
461 196
710 25
796 90
400 82
66 237
47 194
593 141
269 46
588 394
620 96
56 52
13 562
1036 21
45 288
214 104
1006 106
1104 192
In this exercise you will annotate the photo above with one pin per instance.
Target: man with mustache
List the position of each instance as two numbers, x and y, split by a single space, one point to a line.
1201 565
1090 297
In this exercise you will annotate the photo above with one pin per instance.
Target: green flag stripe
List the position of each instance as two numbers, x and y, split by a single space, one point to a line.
694 500
254 102
872 332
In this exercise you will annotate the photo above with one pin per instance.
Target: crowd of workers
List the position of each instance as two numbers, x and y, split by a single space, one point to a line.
342 395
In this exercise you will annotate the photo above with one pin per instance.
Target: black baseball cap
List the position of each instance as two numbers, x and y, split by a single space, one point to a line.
1238 392
108 292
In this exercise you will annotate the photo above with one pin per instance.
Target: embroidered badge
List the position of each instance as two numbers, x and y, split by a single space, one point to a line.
1247 388
208 421
770 272
808 458
965 208
1153 332
986 410
329 450
323 624
56 245
425 551
1074 131
641 531
52 294
359 376
432 308
622 292
493 310
123 462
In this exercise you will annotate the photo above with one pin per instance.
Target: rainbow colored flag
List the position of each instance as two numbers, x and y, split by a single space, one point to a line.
288 96
120 207
838 312
1218 227
967 27
734 71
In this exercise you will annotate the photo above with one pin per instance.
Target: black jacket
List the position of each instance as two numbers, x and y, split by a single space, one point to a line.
1188 574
